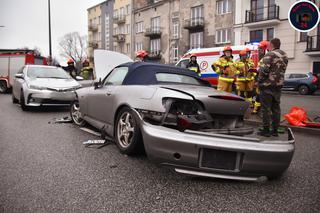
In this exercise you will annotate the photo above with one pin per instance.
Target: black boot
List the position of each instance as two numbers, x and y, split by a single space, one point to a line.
274 132
265 132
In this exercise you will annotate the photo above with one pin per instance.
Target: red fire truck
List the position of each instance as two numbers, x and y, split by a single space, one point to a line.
12 60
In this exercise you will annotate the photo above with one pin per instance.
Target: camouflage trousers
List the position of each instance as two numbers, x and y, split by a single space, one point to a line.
270 107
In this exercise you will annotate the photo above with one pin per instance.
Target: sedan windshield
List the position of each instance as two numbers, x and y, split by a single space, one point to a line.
47 72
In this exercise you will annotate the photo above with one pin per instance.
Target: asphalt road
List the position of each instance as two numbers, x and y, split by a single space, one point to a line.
45 168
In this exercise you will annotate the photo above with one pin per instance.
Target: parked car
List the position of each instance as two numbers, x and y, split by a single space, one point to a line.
36 85
304 83
180 121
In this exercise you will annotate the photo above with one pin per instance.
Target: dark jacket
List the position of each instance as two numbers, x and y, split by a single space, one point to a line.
194 64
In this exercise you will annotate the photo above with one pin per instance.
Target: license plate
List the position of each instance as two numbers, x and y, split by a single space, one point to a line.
218 159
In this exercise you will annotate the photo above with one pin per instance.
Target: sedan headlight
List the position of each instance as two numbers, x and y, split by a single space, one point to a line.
36 87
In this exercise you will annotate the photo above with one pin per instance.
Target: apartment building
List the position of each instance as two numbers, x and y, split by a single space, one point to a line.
169 28
122 28
100 27
257 20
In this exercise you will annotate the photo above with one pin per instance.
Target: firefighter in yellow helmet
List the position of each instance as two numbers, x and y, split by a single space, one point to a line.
193 64
86 72
262 49
245 76
224 67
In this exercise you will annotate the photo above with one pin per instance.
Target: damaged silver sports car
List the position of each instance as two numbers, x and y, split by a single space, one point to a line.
181 122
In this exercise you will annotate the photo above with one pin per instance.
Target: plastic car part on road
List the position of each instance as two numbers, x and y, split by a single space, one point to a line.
297 116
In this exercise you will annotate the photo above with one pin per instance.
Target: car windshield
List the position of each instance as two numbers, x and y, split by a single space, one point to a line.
47 72
183 63
176 78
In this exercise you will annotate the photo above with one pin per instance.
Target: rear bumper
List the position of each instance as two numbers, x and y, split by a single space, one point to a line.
184 152
48 97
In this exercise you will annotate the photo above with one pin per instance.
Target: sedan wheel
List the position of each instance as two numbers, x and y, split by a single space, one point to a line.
3 87
128 135
76 114
23 105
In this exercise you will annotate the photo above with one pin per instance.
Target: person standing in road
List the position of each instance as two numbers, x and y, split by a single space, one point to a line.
262 50
193 64
71 69
245 76
86 72
142 55
270 81
224 67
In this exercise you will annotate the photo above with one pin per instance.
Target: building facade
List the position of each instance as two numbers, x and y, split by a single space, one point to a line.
257 20
100 27
169 28
122 27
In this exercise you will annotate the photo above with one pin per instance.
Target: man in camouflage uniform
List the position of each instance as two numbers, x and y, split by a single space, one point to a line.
270 82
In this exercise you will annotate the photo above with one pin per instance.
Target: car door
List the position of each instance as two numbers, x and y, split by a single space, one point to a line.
290 81
17 83
101 100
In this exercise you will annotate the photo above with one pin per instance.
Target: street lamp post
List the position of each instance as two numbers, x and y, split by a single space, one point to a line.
49 13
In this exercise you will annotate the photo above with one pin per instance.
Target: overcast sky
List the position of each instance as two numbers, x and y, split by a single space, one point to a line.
26 22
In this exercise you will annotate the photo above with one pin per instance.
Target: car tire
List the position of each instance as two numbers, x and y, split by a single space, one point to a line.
14 100
3 87
75 114
303 90
128 136
22 102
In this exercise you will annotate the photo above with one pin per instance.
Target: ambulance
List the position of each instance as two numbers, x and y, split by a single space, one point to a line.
207 56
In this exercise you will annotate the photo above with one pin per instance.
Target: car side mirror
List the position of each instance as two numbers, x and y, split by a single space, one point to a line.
79 78
19 75
97 84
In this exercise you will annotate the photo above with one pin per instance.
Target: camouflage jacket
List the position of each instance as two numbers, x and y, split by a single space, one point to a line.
271 69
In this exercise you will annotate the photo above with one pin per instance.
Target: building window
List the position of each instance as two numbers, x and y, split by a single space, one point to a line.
175 29
128 48
196 40
121 12
139 46
99 36
127 29
155 22
270 33
303 36
256 36
223 36
99 20
224 6
175 53
139 27
115 13
197 12
155 46
107 32
128 9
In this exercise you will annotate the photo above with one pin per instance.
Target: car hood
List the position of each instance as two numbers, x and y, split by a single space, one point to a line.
105 61
54 83
216 102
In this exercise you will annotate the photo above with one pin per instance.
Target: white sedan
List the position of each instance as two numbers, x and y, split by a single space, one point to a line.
36 85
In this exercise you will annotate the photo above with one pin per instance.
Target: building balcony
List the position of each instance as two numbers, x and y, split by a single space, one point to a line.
120 37
120 19
153 32
313 46
262 17
194 24
93 44
155 55
93 27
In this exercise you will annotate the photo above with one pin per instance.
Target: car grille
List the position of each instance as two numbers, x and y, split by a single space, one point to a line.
218 159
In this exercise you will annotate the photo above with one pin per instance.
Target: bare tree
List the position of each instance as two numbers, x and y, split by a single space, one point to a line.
73 45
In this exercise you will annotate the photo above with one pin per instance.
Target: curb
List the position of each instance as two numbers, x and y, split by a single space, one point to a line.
294 128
